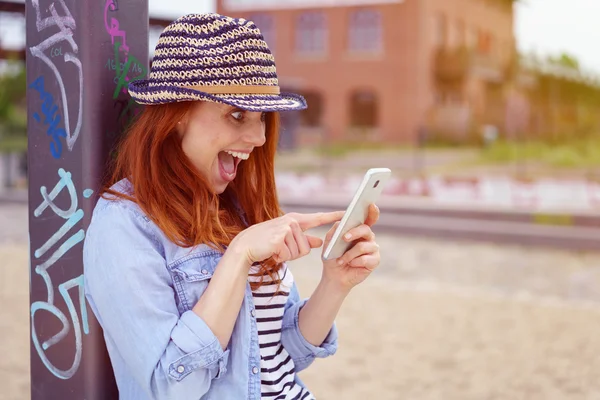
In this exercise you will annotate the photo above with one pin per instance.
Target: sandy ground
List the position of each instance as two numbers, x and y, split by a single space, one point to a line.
14 322
439 320
402 343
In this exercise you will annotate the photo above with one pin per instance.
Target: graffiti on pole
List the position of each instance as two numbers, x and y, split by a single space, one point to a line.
126 66
75 97
62 119
65 23
72 216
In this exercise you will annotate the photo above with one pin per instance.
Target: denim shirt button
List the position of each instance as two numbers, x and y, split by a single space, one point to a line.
254 370
181 369
253 313
204 272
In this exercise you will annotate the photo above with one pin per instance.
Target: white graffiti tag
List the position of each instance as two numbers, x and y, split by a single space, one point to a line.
66 25
72 215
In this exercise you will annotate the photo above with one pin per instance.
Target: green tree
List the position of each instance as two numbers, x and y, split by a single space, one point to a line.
564 60
13 109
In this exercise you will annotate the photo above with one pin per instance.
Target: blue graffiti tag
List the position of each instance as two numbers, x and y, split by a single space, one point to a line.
52 117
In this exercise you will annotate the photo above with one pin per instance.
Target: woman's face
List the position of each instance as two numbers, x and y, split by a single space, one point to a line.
217 137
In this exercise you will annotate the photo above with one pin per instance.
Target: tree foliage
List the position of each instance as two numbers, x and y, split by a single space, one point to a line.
13 109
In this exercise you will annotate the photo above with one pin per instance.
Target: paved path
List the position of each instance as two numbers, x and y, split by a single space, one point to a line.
474 227
14 225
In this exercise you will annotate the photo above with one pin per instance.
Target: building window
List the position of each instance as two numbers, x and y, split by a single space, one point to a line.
311 117
311 33
365 31
266 24
363 109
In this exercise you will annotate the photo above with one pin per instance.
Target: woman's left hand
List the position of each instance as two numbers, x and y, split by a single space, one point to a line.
360 260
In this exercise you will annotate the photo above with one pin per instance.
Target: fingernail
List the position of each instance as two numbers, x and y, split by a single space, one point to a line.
347 236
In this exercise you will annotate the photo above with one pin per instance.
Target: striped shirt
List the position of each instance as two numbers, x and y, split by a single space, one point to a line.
277 371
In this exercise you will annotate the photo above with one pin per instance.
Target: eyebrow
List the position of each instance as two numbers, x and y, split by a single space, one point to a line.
227 108
231 108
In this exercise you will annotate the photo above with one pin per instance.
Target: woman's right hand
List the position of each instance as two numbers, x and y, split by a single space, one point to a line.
282 238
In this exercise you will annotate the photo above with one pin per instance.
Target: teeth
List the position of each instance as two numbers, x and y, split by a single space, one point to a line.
243 156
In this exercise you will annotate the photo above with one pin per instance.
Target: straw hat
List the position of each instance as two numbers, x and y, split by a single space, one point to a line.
215 58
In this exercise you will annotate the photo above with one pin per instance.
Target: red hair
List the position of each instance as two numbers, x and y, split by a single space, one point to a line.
178 198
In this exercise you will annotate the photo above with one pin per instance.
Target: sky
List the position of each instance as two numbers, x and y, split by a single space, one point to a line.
556 26
543 26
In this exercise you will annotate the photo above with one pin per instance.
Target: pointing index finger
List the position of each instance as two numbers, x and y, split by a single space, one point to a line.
308 221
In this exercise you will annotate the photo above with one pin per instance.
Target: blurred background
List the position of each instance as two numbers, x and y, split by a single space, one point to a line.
488 114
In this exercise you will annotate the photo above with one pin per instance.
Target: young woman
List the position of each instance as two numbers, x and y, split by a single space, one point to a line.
185 256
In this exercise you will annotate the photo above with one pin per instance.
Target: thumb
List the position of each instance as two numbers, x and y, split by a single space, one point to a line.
314 242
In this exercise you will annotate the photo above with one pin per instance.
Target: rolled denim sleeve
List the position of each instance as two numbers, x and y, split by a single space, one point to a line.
302 352
131 293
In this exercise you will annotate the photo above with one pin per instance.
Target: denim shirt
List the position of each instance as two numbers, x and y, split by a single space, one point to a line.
142 287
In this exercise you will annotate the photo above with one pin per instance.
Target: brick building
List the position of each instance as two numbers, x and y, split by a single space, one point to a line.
385 69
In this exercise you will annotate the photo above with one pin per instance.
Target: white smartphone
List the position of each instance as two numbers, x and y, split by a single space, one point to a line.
368 192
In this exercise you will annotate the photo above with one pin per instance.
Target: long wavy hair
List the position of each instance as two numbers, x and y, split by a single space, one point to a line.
178 198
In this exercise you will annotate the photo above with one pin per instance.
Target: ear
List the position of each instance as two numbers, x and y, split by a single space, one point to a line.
182 124
181 128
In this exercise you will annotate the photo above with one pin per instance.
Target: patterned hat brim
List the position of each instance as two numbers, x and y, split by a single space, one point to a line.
142 93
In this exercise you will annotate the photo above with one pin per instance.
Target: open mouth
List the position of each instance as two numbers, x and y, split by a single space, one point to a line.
229 161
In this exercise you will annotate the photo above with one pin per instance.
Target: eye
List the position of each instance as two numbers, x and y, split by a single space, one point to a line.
238 115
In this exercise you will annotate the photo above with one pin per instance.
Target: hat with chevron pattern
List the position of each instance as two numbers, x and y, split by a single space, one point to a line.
211 57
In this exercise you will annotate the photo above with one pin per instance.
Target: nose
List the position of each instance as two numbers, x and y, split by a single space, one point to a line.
256 135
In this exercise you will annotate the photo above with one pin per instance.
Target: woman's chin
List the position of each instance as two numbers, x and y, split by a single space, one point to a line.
221 189
219 186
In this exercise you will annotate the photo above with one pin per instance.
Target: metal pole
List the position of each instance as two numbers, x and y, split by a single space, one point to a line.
80 55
